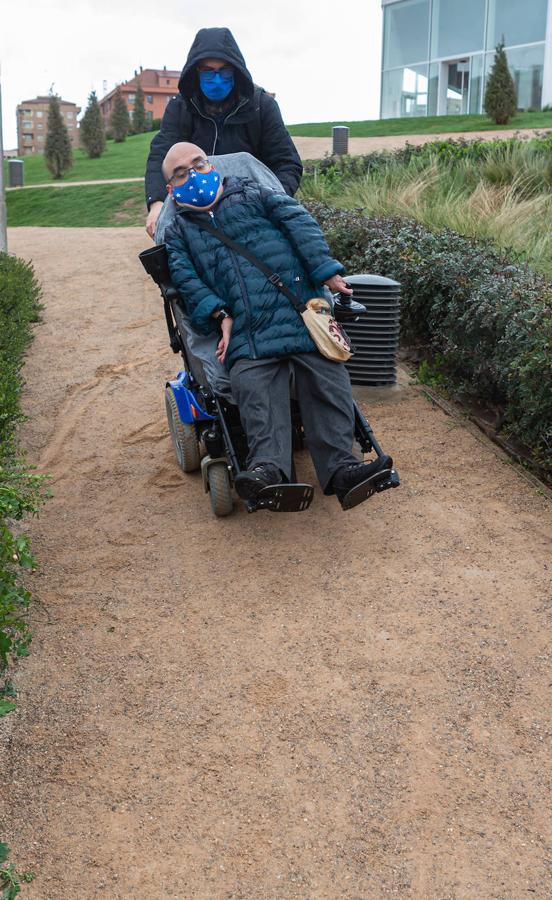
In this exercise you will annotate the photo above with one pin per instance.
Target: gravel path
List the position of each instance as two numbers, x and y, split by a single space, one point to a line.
320 705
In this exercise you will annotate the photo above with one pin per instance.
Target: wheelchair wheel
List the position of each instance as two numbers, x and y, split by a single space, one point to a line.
220 490
183 436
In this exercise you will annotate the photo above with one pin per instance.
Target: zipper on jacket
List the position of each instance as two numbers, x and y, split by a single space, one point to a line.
209 119
237 109
250 339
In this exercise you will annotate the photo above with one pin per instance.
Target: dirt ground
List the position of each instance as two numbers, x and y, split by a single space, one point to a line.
320 705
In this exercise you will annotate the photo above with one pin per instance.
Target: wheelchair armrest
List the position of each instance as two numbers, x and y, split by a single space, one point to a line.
156 263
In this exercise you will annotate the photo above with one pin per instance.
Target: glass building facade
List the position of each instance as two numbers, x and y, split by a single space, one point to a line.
437 54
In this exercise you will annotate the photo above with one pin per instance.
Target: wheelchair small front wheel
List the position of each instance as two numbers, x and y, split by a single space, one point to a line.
220 490
183 436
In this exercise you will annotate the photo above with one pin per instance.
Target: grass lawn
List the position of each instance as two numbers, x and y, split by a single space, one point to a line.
104 205
422 125
126 160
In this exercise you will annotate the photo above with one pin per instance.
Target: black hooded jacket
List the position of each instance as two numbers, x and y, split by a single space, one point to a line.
248 120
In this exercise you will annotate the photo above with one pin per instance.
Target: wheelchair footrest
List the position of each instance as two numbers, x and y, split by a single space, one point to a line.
381 481
283 498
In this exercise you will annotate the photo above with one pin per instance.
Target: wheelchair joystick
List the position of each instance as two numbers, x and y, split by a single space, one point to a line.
347 308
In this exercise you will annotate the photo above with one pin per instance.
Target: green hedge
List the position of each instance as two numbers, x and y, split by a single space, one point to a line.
19 489
489 321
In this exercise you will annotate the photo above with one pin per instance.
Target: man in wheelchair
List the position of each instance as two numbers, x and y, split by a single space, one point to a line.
264 343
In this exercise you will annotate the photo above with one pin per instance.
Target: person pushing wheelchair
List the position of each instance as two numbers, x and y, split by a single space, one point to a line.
263 339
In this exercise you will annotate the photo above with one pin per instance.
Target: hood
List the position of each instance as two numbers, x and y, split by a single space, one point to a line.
216 43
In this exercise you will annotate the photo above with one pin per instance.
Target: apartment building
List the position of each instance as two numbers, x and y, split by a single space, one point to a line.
158 85
437 54
32 124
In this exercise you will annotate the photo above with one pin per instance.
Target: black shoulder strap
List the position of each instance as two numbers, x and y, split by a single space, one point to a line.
273 277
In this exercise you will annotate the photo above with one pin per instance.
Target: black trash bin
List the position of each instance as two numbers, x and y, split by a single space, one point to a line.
340 137
375 335
15 173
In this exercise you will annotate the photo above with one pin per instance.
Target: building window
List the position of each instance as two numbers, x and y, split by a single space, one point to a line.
476 83
40 125
405 92
519 23
433 89
39 113
405 33
149 98
131 98
149 116
526 65
457 28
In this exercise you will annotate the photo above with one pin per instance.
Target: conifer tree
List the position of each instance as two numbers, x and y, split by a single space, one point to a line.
120 119
58 153
139 124
500 94
92 131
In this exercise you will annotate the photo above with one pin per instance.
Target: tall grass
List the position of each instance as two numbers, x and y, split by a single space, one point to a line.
506 195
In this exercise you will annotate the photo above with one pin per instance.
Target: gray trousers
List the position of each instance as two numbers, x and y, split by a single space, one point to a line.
261 388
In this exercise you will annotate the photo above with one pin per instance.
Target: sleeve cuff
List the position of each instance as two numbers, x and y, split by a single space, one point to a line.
202 317
325 270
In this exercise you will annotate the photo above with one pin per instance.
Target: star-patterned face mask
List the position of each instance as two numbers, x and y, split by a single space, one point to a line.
199 190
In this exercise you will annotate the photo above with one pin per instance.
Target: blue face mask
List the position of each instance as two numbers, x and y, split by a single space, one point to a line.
199 190
215 86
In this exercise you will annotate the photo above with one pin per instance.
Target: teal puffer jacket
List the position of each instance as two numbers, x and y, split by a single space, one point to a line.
209 276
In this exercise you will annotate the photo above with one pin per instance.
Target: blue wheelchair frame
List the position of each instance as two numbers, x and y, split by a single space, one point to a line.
189 406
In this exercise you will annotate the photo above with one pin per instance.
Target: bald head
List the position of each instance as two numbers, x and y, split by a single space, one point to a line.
181 156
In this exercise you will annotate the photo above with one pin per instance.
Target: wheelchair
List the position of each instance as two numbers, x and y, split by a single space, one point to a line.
205 425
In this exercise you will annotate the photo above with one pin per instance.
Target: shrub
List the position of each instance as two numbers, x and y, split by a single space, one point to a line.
500 94
139 123
58 153
92 131
120 119
19 489
491 321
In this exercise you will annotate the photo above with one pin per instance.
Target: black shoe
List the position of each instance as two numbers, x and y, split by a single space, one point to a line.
250 483
356 474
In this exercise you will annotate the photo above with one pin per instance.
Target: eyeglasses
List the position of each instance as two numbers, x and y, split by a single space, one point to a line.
182 173
209 74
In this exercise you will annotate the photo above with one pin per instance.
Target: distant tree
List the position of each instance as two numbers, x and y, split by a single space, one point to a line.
139 123
58 153
500 94
120 119
92 131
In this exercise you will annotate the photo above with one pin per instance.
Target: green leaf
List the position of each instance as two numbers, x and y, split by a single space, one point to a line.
6 706
4 852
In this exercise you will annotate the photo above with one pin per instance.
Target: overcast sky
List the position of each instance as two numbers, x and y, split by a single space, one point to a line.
321 58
